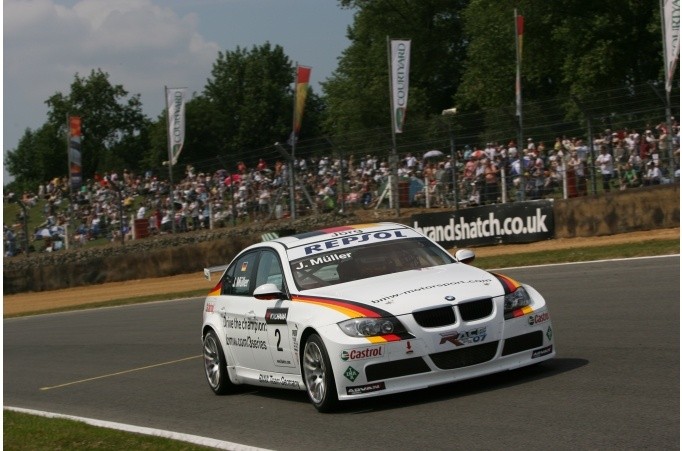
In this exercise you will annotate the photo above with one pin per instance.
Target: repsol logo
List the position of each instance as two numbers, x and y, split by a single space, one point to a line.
351 240
360 354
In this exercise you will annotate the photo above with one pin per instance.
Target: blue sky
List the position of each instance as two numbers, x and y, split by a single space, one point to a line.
145 45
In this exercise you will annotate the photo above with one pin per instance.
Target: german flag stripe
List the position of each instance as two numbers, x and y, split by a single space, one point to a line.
215 291
355 310
387 338
508 284
349 308
518 312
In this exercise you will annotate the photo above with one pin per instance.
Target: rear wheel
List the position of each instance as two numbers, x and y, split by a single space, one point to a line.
318 375
215 365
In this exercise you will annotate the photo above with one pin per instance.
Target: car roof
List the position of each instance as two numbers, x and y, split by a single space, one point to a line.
302 239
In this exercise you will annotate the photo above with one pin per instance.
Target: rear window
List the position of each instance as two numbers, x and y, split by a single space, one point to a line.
371 260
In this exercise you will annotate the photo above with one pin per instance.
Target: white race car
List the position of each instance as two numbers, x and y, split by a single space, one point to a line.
365 310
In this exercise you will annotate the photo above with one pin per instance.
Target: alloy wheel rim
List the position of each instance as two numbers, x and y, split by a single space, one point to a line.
314 368
212 361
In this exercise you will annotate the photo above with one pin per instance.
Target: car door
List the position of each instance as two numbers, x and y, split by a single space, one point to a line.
279 356
236 305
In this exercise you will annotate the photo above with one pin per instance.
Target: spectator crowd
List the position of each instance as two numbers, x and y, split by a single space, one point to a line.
114 206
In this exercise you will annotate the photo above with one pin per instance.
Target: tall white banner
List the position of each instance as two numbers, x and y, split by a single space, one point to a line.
670 16
175 104
400 81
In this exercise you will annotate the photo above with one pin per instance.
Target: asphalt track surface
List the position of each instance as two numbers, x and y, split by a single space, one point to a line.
615 383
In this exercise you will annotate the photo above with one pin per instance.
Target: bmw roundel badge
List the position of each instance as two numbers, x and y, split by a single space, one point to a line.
449 298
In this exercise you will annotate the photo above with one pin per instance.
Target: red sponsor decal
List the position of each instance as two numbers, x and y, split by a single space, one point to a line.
539 318
364 353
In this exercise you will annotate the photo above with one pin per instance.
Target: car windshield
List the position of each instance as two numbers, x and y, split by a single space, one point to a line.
371 260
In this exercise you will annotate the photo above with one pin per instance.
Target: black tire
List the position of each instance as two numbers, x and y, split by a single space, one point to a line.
318 375
215 365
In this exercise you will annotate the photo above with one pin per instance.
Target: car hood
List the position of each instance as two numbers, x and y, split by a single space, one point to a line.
404 292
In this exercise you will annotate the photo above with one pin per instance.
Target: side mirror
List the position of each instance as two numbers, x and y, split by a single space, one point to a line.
268 292
465 256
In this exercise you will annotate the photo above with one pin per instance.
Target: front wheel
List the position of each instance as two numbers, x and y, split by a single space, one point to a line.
318 375
215 365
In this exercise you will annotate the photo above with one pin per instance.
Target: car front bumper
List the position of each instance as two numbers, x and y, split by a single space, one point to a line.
439 355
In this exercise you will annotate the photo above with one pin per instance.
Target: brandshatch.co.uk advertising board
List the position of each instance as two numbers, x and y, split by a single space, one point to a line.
523 222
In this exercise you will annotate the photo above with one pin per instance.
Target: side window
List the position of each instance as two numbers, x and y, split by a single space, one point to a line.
237 280
269 270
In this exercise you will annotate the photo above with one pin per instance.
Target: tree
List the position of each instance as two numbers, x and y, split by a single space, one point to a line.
357 94
249 101
40 156
463 54
569 48
114 133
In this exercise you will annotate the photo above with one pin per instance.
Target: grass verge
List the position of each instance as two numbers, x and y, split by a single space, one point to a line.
30 432
580 254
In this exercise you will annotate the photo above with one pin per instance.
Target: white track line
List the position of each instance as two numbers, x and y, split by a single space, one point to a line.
586 262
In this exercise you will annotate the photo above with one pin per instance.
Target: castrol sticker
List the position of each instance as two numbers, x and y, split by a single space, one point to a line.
369 352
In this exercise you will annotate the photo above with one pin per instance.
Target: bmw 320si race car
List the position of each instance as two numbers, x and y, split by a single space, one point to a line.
365 310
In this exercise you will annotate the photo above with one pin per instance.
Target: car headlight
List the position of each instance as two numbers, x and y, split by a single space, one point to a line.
370 327
519 298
